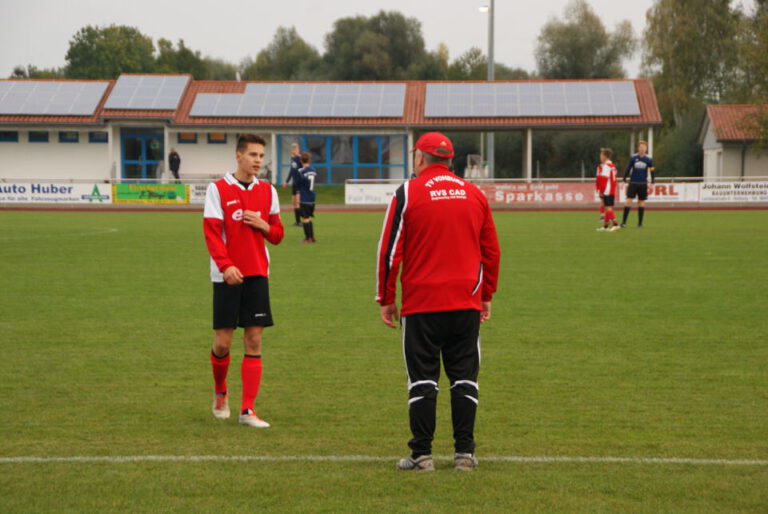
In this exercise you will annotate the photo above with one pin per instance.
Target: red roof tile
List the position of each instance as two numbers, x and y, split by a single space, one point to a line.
736 122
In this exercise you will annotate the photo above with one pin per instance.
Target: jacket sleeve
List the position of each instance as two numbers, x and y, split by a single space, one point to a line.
213 228
276 230
490 254
390 250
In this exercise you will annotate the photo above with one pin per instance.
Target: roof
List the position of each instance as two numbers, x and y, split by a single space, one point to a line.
413 115
736 122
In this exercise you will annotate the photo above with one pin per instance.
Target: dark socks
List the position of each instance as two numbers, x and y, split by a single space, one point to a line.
306 230
626 215
640 212
297 215
311 230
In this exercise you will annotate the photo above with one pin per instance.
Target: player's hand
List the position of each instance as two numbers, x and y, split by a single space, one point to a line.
232 276
254 219
389 315
485 314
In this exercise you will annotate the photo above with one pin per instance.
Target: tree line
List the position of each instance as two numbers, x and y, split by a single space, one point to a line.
696 53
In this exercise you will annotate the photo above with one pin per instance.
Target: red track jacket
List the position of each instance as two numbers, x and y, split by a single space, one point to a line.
230 241
441 229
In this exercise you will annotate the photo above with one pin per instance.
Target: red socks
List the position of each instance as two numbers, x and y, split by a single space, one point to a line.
220 367
250 371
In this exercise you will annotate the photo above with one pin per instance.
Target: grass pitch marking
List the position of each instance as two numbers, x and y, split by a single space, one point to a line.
127 459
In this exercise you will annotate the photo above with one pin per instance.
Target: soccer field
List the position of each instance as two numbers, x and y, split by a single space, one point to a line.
604 349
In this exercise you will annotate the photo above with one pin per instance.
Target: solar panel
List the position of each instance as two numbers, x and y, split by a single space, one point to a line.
34 97
156 92
494 99
287 100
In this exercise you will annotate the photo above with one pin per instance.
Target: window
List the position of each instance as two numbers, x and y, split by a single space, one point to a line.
69 137
187 137
9 136
98 137
38 136
217 138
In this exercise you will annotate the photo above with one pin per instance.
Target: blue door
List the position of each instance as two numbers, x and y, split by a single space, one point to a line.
142 154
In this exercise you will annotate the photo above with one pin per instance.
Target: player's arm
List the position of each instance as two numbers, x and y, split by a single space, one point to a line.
629 169
389 256
213 229
490 254
652 170
276 231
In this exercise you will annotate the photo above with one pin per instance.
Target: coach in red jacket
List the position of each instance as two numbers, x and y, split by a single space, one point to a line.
440 229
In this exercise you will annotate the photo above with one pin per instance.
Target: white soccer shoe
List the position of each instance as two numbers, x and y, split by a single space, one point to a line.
464 462
220 407
252 420
601 229
423 463
615 228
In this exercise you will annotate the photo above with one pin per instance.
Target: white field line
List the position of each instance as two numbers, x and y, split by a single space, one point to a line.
120 459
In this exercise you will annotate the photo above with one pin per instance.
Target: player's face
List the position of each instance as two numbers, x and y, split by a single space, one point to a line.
294 150
642 149
251 159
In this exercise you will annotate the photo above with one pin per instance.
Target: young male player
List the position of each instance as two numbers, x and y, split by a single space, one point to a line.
241 212
293 179
440 229
307 175
642 170
605 183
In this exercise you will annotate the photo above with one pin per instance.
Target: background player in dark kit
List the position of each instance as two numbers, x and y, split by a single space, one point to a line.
293 179
642 170
306 181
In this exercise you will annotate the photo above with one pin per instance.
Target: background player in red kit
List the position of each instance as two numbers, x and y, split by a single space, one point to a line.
241 212
441 229
605 183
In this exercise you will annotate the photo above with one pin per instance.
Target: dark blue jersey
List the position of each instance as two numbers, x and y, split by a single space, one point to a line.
307 184
639 167
293 175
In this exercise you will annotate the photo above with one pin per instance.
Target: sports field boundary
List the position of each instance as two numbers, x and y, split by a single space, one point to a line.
517 459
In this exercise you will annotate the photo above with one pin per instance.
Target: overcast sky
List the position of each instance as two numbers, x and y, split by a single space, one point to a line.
38 31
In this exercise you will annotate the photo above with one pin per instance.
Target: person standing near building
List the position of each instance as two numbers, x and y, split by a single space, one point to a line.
293 180
440 228
605 183
174 163
306 181
241 213
640 171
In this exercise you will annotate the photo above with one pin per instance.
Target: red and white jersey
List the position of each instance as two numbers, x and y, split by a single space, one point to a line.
605 181
230 241
440 228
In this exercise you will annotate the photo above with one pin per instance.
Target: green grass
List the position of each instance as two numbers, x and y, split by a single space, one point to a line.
642 343
333 195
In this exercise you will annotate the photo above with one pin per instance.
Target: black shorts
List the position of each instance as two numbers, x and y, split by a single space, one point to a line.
307 210
639 190
608 200
242 305
294 189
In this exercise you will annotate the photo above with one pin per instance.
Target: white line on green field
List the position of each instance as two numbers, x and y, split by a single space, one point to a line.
369 458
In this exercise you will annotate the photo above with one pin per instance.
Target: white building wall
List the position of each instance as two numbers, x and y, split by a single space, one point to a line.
54 160
203 160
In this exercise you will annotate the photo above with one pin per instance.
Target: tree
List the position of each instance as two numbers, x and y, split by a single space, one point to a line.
287 57
106 52
180 60
690 48
579 47
33 72
219 69
383 47
751 85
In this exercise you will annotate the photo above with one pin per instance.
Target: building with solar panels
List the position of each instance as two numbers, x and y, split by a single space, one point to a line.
123 130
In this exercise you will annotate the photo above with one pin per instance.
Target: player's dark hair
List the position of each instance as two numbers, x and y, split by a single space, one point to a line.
306 158
607 152
246 139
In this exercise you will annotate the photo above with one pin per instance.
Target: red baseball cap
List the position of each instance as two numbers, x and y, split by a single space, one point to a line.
436 144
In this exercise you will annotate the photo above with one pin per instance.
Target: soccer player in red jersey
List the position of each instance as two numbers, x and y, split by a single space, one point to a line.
241 213
605 183
440 228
